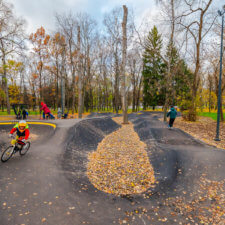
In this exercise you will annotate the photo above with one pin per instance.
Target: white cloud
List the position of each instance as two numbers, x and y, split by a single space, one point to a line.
41 12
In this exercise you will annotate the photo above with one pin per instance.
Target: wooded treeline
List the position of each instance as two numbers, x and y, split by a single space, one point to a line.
175 61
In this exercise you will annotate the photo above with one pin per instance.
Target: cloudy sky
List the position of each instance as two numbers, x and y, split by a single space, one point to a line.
41 12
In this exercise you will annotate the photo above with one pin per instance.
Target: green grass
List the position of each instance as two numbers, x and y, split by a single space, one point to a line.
212 115
4 113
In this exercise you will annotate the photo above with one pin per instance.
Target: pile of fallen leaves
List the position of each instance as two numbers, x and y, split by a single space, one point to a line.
121 165
204 129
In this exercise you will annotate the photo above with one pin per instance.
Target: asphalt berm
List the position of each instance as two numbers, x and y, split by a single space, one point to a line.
178 159
94 115
38 133
49 185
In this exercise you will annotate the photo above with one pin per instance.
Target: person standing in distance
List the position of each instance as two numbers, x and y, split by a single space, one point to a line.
46 111
172 114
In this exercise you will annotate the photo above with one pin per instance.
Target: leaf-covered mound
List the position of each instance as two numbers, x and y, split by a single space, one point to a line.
121 165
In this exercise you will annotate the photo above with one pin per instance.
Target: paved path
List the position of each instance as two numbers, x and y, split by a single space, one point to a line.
36 189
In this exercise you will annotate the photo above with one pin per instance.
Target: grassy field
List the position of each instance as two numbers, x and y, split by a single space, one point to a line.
212 115
4 113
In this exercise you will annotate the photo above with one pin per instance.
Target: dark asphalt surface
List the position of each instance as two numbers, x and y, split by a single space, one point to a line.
49 185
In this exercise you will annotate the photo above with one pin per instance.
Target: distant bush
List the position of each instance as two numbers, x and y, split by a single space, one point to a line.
189 115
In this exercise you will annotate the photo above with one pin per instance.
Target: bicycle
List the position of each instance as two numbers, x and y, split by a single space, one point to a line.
19 145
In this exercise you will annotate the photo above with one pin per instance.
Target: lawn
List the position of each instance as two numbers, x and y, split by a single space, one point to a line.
212 115
4 113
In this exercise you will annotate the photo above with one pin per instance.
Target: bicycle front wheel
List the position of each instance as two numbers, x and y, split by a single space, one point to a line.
7 154
25 148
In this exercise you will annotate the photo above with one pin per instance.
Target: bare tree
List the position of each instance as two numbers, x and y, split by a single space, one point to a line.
196 21
170 16
135 66
55 53
123 66
11 40
114 30
68 27
213 73
80 101
88 33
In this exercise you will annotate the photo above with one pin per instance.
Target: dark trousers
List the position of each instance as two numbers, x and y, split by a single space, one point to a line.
49 115
171 122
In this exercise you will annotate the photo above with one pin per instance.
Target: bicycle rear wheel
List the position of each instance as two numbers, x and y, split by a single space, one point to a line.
7 154
25 148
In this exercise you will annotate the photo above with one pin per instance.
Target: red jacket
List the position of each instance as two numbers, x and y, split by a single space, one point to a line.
45 109
23 135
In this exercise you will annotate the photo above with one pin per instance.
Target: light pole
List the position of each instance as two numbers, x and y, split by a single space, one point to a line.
221 13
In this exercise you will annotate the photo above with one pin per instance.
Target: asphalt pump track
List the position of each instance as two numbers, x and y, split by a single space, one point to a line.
49 184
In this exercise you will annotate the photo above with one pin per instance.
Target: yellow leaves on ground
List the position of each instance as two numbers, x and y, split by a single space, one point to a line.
204 129
208 206
121 165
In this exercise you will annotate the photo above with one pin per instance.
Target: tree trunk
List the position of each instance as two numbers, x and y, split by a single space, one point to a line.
79 77
5 83
57 90
197 63
73 78
138 95
124 55
210 90
63 82
116 86
169 75
40 82
221 109
134 99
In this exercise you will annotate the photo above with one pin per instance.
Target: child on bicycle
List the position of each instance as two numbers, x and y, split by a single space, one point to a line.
22 131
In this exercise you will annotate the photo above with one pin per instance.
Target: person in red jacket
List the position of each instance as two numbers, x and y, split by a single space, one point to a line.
22 131
46 110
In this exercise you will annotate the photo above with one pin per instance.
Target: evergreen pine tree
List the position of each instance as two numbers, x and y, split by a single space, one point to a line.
153 70
180 83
